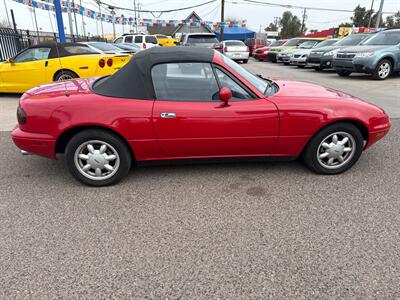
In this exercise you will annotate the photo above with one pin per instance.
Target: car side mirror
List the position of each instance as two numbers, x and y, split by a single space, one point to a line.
225 94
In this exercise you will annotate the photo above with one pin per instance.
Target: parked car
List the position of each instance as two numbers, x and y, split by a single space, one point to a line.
130 48
166 41
284 56
48 62
262 53
322 58
255 43
144 41
299 56
290 44
162 108
235 50
106 48
203 40
378 56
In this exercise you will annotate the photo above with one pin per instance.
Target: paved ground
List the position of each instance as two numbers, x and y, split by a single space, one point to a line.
237 231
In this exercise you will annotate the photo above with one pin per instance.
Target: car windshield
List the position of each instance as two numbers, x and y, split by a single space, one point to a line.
128 46
352 40
325 43
308 44
257 82
384 38
202 39
292 42
234 43
104 46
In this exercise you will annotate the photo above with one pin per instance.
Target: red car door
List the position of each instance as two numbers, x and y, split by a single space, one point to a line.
190 121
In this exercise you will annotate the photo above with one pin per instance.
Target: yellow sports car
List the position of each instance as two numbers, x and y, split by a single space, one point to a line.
49 62
165 40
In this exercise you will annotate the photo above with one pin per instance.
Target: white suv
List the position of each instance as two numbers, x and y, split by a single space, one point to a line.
144 41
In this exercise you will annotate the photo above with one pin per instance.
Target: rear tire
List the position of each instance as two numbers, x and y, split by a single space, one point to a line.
65 75
343 73
301 66
382 70
329 155
97 157
318 68
245 61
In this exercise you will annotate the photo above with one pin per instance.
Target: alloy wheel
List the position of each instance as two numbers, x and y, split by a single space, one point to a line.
384 70
336 150
96 160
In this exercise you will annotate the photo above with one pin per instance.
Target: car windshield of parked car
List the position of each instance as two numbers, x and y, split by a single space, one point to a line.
293 42
258 83
308 44
202 39
384 38
104 46
151 39
351 40
162 36
234 43
325 43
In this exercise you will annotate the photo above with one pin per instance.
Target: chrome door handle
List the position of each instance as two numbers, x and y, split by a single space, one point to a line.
168 115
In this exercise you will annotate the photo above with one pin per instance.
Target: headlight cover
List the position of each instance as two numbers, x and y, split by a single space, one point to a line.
365 54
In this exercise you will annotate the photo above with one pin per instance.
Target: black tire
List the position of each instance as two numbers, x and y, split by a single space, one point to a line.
65 75
318 68
313 149
377 72
301 66
343 73
245 61
124 157
286 63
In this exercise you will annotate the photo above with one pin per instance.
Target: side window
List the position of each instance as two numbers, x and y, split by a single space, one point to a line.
33 54
238 93
185 82
138 39
151 39
119 40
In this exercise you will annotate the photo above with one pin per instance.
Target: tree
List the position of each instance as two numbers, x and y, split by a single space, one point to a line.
393 21
346 24
3 24
290 25
271 27
361 17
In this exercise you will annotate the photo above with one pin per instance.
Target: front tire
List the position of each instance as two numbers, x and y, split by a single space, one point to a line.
97 157
245 61
382 70
334 149
343 73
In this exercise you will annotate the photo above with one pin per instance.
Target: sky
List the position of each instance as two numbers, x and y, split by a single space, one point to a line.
257 16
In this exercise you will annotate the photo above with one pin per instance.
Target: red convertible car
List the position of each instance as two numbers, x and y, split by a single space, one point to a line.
184 103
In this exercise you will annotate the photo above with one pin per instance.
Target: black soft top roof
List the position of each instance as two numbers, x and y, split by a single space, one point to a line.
62 52
134 79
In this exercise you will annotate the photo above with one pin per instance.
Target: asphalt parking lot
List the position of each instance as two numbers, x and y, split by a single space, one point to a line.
230 231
